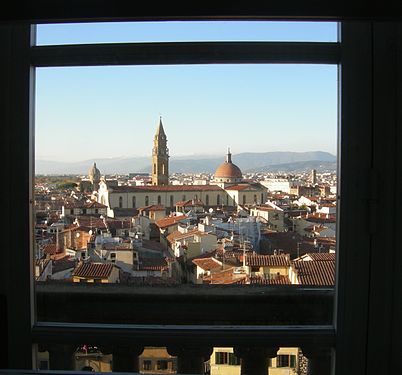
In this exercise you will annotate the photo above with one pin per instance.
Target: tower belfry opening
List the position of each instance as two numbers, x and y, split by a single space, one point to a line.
160 157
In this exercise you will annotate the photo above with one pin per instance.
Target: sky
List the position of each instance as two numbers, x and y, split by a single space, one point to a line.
85 113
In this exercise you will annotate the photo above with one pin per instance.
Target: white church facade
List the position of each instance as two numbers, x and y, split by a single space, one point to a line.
227 189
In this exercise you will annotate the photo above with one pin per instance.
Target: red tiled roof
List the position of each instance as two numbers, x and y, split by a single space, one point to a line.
318 273
153 264
169 221
322 256
93 270
167 188
153 207
321 217
190 202
94 204
279 280
282 260
225 277
207 264
265 208
176 235
239 187
81 204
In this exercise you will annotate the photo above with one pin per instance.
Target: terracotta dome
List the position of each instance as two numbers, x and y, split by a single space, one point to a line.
228 170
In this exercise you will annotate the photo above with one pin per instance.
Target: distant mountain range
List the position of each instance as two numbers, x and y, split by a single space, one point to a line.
248 162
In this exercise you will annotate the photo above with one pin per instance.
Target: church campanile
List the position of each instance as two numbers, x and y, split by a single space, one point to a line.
160 157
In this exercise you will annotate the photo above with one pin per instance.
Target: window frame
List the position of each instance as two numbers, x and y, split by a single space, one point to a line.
369 115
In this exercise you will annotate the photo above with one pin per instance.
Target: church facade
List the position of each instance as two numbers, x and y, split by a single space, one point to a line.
226 189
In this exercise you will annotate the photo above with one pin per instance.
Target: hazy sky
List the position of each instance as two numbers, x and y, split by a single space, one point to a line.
96 112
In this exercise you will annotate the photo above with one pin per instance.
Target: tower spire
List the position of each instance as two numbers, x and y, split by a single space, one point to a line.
160 157
159 130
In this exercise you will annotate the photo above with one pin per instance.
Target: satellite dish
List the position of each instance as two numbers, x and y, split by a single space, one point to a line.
77 235
90 232
211 210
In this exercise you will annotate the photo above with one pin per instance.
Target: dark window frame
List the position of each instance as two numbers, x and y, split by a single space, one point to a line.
369 65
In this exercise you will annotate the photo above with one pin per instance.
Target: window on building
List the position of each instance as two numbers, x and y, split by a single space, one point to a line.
286 360
207 200
146 200
134 202
159 199
147 365
221 358
120 202
162 364
171 201
226 358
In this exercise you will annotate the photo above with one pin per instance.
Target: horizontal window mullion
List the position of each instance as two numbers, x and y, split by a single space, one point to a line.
186 53
161 335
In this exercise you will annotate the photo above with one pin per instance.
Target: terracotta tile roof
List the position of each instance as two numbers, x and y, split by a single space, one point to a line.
177 235
153 264
207 264
321 218
152 207
279 280
169 221
265 208
81 204
94 204
90 222
282 260
239 187
165 188
318 273
330 257
225 277
93 270
190 202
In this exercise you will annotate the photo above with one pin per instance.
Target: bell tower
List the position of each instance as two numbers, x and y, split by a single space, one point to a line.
160 157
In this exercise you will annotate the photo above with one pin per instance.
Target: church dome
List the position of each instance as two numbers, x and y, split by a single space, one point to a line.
228 170
94 173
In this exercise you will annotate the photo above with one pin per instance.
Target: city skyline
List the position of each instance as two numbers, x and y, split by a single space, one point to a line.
89 113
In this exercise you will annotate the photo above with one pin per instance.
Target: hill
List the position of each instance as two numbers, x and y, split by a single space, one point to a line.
247 162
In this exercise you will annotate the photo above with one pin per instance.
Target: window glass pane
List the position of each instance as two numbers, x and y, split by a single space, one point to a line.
186 31
232 169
